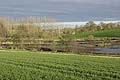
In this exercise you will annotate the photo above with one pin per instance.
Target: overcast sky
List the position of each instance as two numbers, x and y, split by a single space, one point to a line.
63 10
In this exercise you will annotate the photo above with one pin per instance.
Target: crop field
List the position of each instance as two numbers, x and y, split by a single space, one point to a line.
98 34
25 65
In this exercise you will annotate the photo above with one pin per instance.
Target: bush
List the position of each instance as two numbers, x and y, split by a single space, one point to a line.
91 37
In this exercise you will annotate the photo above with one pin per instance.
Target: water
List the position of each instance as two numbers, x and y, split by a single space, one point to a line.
107 50
62 10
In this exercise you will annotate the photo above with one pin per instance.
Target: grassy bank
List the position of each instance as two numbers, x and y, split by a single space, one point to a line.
24 65
115 33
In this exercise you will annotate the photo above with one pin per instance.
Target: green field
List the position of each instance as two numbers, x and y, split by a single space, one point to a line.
98 34
24 65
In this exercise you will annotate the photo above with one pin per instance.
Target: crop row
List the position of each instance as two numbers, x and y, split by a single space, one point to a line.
27 65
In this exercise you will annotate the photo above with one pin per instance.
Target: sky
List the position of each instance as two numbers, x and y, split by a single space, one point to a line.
62 10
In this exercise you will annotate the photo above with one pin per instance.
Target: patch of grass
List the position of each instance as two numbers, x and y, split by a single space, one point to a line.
25 65
97 34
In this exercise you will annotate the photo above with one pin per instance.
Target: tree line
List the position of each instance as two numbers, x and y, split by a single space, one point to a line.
31 30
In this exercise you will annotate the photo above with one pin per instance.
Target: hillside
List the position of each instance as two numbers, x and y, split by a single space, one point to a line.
97 34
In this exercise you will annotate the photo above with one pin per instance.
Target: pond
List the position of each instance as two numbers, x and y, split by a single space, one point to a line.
107 50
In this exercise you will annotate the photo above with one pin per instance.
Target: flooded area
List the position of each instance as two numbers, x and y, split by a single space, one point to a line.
107 50
115 49
94 46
